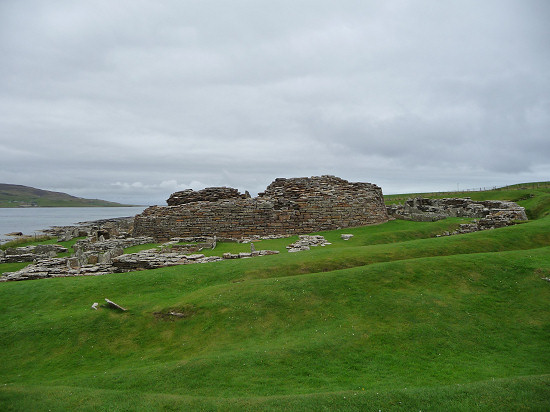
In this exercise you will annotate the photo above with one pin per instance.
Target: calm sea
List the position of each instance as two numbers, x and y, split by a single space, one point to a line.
33 219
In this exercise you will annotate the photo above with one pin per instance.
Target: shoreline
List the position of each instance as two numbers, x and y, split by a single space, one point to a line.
39 221
54 231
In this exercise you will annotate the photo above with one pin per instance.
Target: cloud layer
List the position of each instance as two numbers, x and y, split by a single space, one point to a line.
131 100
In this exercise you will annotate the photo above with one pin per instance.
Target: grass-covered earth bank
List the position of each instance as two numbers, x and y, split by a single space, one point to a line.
393 319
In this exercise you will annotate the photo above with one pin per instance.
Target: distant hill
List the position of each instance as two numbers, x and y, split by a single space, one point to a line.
25 196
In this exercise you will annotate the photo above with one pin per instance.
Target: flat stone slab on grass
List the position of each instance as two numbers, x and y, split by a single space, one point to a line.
114 305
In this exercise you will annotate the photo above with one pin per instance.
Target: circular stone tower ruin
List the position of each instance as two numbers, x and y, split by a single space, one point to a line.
286 207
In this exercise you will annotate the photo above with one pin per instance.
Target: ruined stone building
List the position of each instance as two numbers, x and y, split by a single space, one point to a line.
288 206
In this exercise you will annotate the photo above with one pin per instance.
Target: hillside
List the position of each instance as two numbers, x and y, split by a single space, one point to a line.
393 319
25 196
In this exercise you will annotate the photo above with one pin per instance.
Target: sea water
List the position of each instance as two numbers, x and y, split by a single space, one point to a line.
32 220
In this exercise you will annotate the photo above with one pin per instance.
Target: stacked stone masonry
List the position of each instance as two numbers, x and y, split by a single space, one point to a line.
210 194
30 253
427 210
287 207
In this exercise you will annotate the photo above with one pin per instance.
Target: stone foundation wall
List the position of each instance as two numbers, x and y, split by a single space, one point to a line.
288 206
427 210
210 194
30 253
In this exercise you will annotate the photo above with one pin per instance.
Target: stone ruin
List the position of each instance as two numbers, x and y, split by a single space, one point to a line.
93 256
287 207
490 214
30 253
88 261
305 242
428 210
210 194
194 220
98 230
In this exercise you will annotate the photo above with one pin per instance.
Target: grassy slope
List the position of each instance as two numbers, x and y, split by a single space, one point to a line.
392 319
17 195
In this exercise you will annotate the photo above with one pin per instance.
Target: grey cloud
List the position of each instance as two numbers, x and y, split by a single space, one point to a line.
132 99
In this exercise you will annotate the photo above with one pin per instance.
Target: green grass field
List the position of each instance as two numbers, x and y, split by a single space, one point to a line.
393 319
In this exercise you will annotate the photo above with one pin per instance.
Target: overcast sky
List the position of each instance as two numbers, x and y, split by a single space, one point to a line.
132 100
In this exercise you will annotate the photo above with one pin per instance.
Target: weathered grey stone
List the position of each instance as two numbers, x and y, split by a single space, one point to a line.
114 305
92 259
194 256
298 249
210 194
288 206
209 259
305 241
230 255
73 263
85 245
45 249
30 253
268 252
108 228
104 257
424 209
491 214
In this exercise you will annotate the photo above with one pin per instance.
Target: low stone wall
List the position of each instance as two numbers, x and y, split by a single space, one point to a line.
88 244
428 210
98 229
30 253
146 259
210 194
190 244
287 207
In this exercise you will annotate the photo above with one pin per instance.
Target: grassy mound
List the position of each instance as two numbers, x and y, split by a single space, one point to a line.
393 319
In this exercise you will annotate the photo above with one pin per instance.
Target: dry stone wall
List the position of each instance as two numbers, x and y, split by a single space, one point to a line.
427 210
30 253
210 194
288 206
